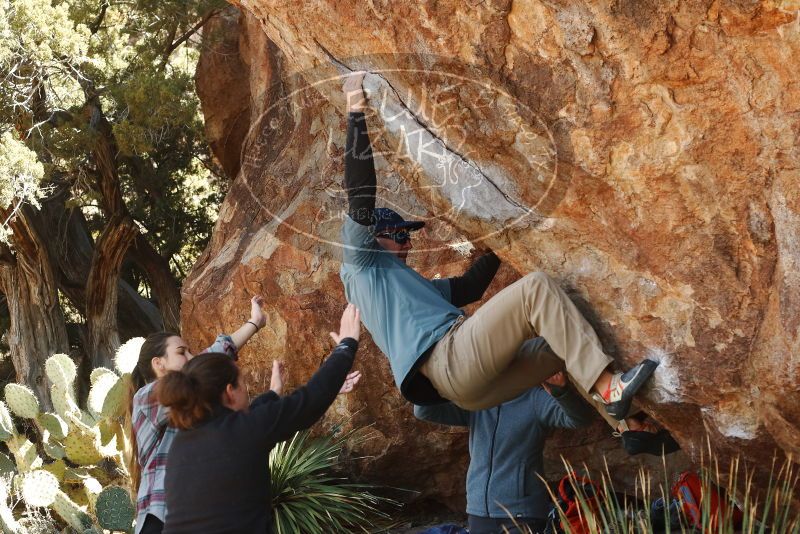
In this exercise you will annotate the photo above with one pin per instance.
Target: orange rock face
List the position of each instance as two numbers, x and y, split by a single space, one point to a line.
643 153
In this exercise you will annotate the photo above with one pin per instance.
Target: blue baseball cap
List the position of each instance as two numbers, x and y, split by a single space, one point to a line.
390 220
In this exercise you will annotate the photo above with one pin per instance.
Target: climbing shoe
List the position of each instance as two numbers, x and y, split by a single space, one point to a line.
655 443
619 396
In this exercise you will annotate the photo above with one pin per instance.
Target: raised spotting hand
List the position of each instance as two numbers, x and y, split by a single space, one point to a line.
349 326
278 377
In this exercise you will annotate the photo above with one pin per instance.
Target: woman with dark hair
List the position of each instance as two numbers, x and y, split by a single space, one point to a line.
217 478
151 437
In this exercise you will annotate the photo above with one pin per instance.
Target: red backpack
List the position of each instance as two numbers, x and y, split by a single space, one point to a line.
688 490
574 518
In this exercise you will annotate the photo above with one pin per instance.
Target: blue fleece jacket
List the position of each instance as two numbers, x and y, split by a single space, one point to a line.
506 445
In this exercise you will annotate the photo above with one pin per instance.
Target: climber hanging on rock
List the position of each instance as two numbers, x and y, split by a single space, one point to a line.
435 352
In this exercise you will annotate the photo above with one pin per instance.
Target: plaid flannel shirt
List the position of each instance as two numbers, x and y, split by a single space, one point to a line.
153 439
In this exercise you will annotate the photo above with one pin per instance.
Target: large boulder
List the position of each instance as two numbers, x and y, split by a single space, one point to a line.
642 153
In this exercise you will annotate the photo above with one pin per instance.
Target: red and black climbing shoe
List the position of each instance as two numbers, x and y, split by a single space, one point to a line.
619 396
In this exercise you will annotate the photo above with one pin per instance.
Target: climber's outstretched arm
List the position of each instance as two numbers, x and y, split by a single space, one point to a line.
359 168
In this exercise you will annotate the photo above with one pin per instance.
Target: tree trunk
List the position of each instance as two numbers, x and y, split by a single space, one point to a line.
37 327
165 287
101 291
73 249
113 243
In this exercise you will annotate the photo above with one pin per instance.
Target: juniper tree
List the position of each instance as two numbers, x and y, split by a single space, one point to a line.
110 192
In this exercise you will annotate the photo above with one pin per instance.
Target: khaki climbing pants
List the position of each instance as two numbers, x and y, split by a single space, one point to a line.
491 357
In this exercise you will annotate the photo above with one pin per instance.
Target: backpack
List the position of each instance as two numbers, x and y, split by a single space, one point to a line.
688 490
574 515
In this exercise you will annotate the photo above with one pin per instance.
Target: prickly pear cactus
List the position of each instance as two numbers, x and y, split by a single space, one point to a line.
63 401
25 455
7 428
7 466
82 448
92 487
57 468
77 494
61 371
53 449
39 488
99 372
22 401
114 509
54 424
128 355
8 523
70 512
107 395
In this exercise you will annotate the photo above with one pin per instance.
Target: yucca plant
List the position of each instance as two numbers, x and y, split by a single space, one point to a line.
308 498
765 510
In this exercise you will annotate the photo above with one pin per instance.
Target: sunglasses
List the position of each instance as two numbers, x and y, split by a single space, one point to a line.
401 238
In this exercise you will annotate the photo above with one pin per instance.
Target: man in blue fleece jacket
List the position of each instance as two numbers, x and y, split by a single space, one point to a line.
506 445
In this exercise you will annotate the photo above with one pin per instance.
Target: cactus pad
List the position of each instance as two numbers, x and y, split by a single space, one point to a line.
99 372
7 466
61 371
63 401
83 446
109 428
25 455
39 488
115 511
75 475
54 424
54 450
22 401
128 355
107 395
71 512
92 487
7 521
57 468
7 428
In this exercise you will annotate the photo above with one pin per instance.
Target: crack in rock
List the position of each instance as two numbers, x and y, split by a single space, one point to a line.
470 189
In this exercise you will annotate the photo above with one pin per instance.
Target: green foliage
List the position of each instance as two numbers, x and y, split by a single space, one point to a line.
307 498
7 428
20 175
60 57
72 513
770 509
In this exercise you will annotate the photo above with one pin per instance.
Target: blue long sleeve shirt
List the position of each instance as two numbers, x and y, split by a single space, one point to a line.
405 313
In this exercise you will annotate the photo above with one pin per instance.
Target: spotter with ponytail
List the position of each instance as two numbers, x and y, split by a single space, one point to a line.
217 472
148 420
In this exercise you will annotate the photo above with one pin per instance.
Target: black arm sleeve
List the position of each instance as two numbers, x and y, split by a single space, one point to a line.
277 420
564 409
470 287
359 170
